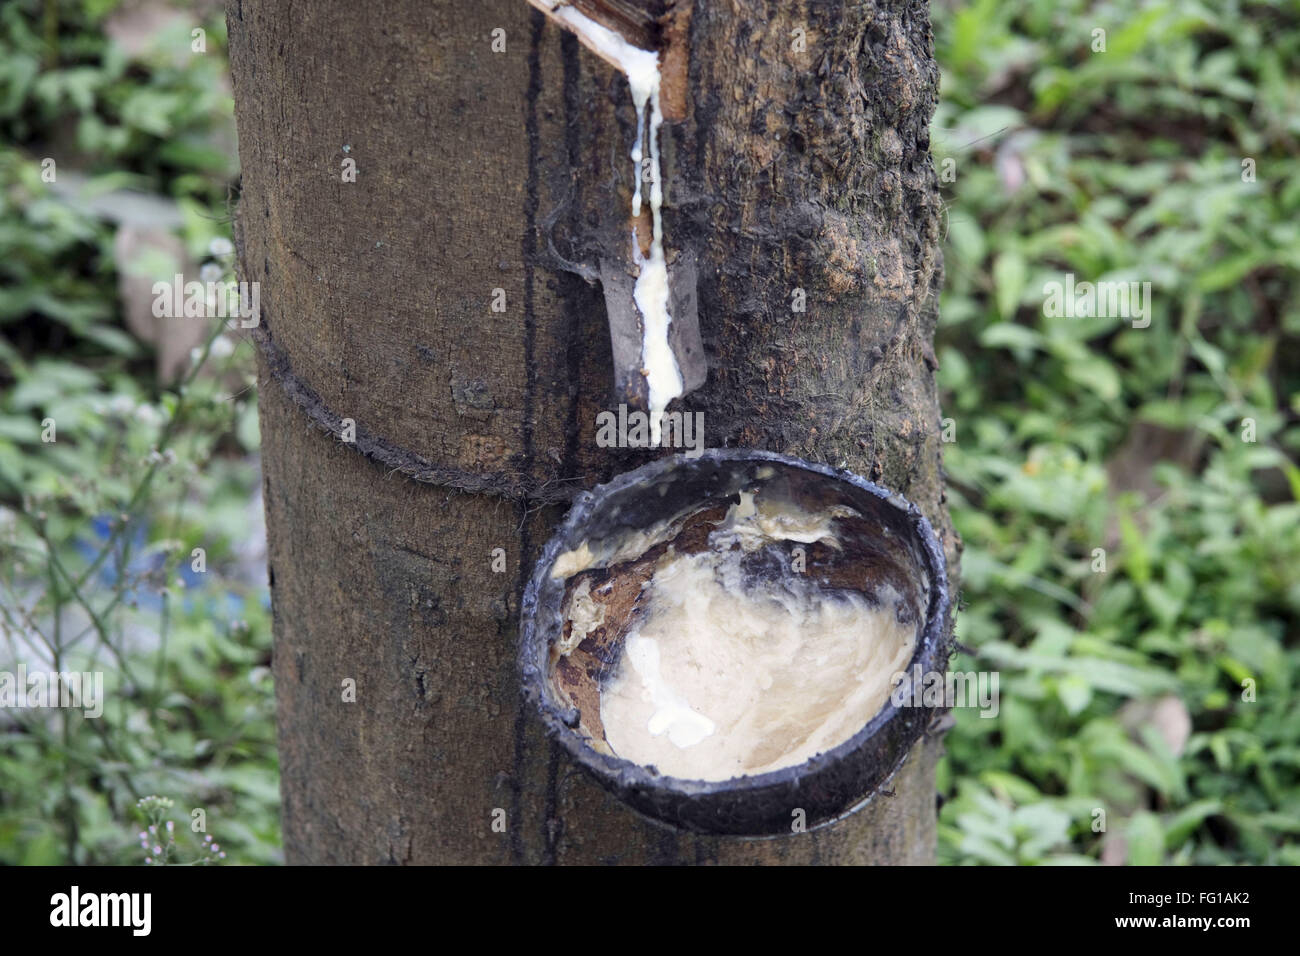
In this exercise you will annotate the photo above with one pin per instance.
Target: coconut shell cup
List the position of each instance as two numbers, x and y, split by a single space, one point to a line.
890 544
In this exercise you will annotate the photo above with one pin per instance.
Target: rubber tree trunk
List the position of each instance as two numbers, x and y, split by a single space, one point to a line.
409 430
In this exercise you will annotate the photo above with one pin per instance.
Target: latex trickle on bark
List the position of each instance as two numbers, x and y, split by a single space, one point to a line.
641 67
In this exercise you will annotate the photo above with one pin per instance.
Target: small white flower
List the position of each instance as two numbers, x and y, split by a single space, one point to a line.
220 246
148 415
210 272
222 347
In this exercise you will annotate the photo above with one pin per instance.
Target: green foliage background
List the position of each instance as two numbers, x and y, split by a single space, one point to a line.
1124 165
97 529
1070 435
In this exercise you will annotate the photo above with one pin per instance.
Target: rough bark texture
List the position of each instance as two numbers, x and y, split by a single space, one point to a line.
479 171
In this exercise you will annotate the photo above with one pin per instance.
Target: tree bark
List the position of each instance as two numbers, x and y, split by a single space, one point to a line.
476 171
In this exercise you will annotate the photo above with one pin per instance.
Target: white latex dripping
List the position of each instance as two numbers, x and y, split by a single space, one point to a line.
641 67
